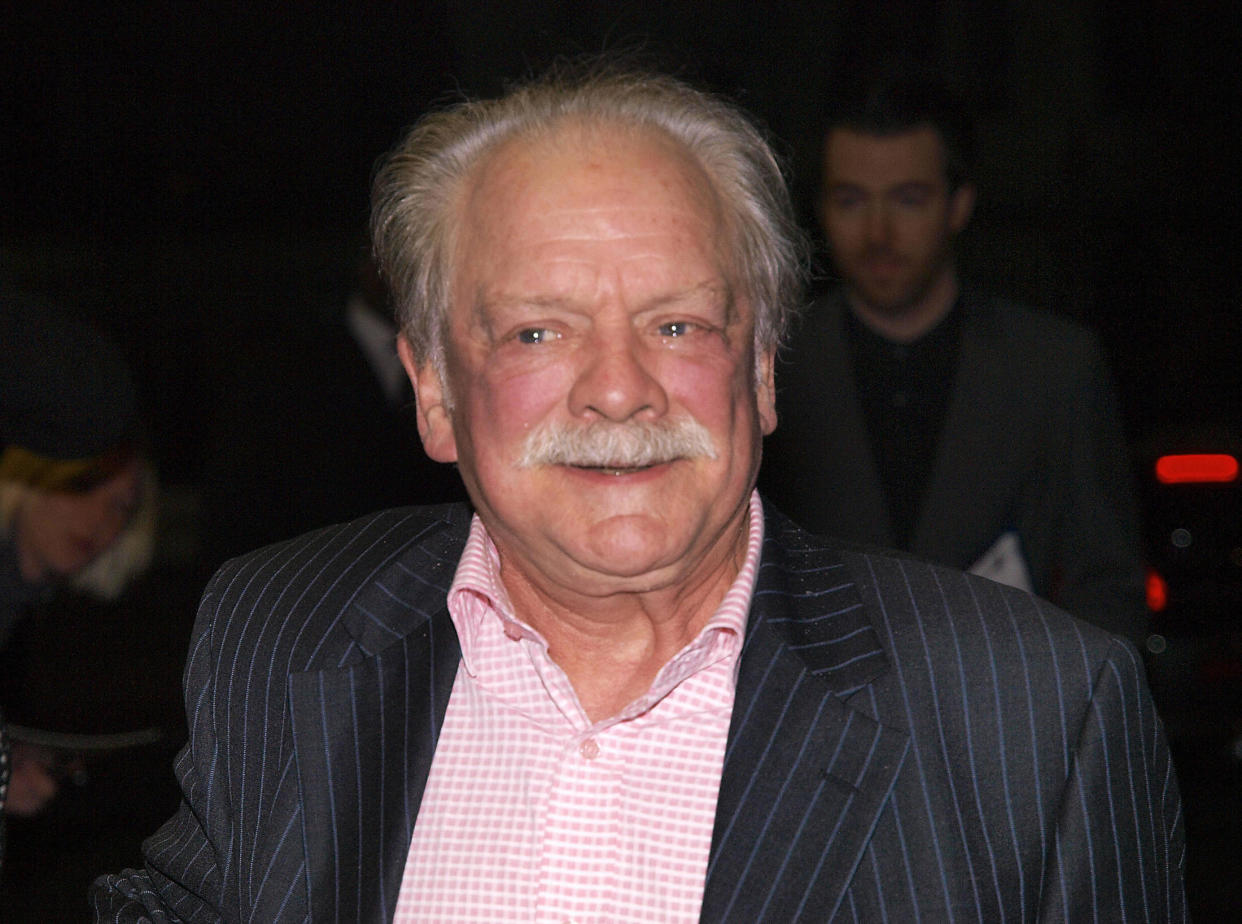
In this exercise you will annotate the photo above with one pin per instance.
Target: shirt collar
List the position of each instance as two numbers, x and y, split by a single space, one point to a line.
477 593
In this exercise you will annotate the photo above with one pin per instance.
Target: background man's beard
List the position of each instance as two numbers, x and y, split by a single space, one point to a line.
617 446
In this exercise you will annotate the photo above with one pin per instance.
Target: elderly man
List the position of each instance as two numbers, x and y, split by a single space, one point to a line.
622 691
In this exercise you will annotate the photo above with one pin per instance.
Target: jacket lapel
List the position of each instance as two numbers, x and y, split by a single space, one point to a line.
806 774
363 756
966 468
845 454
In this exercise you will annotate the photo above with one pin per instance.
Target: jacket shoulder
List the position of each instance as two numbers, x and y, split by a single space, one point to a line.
917 606
373 535
937 614
336 593
1030 330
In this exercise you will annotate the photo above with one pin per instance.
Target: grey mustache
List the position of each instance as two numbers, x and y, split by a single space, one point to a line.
610 445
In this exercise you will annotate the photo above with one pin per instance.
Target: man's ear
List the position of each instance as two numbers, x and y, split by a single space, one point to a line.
961 207
765 390
435 423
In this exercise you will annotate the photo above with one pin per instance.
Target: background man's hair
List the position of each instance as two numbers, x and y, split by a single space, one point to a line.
417 188
897 100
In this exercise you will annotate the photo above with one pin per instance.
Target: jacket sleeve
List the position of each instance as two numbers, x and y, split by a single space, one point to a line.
1119 850
185 867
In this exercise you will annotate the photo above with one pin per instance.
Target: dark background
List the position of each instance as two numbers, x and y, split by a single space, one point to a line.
164 164
188 172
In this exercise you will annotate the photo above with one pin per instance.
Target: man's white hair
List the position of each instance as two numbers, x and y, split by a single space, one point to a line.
417 188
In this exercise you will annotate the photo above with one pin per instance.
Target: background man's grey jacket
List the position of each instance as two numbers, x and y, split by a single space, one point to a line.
1032 446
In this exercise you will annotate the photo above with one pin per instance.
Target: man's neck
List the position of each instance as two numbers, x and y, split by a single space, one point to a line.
908 323
612 647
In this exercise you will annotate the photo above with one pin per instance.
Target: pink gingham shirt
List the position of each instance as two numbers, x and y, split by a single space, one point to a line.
532 812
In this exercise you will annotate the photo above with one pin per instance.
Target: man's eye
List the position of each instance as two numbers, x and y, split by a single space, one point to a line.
675 329
536 335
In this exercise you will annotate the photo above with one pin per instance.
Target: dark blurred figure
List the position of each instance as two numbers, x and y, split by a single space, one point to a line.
314 424
919 414
77 492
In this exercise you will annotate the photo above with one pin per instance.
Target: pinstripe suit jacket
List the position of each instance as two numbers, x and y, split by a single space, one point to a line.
907 742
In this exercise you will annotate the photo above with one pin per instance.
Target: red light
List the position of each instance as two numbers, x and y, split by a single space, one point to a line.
1198 468
1157 592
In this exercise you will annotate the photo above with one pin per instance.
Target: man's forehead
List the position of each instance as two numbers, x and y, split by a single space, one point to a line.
852 155
603 183
588 157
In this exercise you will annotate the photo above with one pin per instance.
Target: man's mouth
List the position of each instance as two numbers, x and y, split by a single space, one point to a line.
618 469
883 265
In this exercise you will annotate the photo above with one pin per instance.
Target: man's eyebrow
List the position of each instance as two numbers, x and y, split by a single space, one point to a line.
485 304
484 308
710 288
717 291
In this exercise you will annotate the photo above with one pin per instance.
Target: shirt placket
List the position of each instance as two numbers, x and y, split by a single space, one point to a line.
577 879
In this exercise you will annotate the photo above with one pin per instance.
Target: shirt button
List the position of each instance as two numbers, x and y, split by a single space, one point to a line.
513 632
589 749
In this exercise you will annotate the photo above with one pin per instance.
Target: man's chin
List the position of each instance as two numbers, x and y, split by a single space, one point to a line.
892 301
629 550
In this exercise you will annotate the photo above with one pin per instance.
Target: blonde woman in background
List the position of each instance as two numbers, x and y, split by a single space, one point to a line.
77 490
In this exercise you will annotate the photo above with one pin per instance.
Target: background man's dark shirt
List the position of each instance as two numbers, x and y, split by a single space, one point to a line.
904 391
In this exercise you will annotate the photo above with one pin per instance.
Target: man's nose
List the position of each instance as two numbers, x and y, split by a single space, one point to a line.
615 379
878 225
